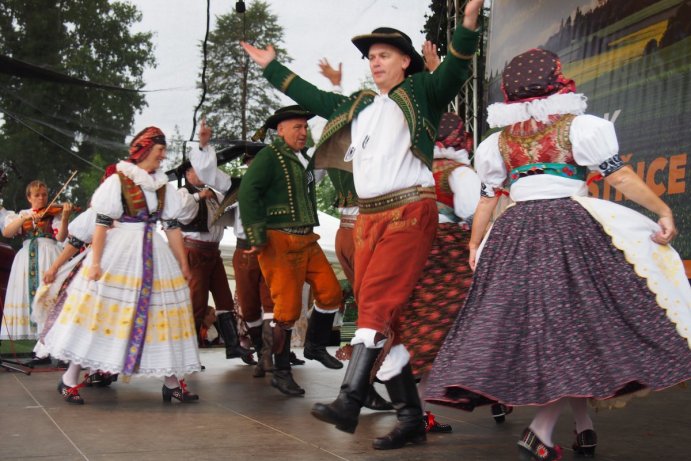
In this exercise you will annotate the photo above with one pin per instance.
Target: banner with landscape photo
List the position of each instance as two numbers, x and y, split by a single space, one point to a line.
632 59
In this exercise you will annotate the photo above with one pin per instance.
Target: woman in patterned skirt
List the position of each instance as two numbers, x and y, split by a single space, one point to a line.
573 297
128 310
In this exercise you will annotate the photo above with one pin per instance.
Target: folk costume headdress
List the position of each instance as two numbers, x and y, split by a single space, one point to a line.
453 142
284 113
143 142
535 87
395 38
451 132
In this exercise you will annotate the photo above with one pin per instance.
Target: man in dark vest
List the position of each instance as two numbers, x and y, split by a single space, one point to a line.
204 187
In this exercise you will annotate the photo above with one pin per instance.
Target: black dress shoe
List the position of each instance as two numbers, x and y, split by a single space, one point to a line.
320 354
294 360
585 443
499 412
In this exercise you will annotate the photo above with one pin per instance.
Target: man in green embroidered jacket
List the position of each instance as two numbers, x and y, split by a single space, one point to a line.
278 207
386 139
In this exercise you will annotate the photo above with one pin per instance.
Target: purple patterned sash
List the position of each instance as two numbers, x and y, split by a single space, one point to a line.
136 341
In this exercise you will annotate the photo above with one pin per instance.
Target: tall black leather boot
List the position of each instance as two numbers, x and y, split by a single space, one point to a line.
345 410
375 401
283 378
228 330
317 338
410 427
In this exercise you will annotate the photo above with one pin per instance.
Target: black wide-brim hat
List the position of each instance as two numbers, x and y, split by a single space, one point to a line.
395 38
286 113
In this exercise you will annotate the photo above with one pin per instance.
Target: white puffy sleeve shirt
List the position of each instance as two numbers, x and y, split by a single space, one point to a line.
107 199
593 141
465 185
82 227
205 165
6 216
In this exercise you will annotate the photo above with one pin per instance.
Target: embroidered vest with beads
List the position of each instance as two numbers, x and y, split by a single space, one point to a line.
133 199
536 142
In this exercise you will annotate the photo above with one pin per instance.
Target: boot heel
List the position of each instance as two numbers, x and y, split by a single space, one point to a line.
166 396
349 428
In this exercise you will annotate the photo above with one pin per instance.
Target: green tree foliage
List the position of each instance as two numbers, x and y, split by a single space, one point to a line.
238 98
50 128
436 24
326 197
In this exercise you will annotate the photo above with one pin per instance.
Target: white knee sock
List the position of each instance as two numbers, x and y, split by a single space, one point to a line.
579 407
71 376
545 419
171 382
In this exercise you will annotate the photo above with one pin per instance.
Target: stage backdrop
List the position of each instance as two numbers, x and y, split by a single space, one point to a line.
632 58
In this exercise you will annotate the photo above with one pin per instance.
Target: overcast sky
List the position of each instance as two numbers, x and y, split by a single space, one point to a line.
312 29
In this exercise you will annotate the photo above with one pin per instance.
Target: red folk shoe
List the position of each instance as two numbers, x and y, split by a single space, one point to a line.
71 394
431 424
531 448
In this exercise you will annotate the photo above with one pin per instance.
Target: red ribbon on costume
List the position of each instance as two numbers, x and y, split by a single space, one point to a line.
593 178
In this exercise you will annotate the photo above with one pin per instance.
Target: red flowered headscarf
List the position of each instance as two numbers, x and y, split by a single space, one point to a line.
532 75
143 142
452 134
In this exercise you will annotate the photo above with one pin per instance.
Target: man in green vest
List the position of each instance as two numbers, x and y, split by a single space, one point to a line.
278 207
386 139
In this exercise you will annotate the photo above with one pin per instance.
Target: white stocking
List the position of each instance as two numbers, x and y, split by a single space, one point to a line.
71 376
579 407
171 382
545 419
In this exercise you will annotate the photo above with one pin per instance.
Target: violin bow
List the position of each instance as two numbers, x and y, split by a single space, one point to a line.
74 173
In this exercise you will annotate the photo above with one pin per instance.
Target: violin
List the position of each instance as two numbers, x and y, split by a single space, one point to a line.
55 210
45 213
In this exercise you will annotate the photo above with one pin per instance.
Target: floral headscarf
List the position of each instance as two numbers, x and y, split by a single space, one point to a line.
143 142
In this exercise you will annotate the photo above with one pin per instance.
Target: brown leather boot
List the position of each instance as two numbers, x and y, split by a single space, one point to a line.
283 378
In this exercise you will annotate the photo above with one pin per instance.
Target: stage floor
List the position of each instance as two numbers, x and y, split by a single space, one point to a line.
242 418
